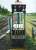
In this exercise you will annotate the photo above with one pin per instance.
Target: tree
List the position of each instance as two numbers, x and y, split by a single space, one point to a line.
4 11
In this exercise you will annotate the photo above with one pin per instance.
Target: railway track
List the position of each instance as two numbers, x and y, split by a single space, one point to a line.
3 26
3 22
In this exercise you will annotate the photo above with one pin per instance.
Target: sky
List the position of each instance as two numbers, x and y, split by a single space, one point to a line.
30 4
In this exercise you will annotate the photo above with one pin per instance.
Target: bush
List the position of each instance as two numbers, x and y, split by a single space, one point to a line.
28 43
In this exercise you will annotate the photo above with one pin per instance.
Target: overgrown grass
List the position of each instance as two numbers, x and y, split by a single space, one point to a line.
29 43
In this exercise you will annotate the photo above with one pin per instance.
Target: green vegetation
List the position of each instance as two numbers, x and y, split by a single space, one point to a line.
31 14
29 43
4 11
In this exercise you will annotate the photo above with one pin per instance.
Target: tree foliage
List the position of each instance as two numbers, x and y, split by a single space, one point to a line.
4 11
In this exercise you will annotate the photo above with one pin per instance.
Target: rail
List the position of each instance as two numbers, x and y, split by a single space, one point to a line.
3 27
